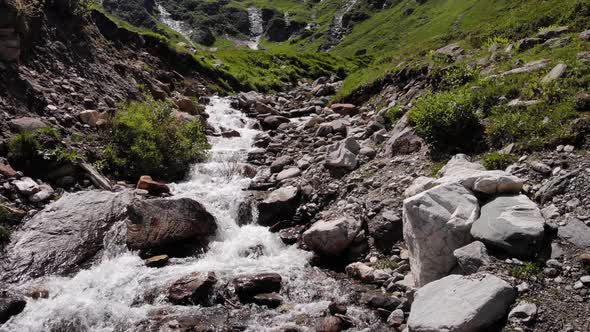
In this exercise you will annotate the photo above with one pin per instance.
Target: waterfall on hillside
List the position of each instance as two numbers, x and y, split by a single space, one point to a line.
178 26
256 28
337 30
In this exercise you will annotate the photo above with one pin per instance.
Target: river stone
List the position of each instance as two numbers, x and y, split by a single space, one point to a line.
460 304
280 163
279 205
194 289
271 300
471 257
11 304
65 236
513 224
288 173
332 238
360 271
436 222
159 222
247 287
272 122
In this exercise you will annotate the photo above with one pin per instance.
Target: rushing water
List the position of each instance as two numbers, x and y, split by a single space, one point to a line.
109 296
178 26
256 28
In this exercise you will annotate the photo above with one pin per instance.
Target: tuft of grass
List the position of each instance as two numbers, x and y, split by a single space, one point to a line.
498 160
526 271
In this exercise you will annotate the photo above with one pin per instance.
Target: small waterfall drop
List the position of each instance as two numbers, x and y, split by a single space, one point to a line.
256 28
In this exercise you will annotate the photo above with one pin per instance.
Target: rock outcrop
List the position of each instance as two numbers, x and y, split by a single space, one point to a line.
333 237
436 222
66 236
461 304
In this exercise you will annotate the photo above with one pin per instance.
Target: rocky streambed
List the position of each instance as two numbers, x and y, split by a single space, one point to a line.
309 217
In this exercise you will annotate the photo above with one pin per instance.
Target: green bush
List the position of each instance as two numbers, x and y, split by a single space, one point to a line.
448 122
146 139
24 150
498 160
3 214
4 235
394 113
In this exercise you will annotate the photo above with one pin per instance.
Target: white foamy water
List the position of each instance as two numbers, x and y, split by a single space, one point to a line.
256 28
109 296
178 26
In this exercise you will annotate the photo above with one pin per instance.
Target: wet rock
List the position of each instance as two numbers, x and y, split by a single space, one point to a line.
65 236
471 257
245 213
273 122
153 187
11 304
279 205
157 261
512 224
27 124
291 235
330 324
158 223
360 271
332 238
194 289
249 286
436 222
460 303
337 308
230 133
396 318
271 300
378 300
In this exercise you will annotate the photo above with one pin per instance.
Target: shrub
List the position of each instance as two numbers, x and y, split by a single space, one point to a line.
24 150
4 235
394 113
3 214
147 139
452 77
448 122
498 160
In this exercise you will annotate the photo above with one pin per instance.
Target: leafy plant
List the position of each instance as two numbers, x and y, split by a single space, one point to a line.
447 122
147 139
394 113
383 264
526 271
498 160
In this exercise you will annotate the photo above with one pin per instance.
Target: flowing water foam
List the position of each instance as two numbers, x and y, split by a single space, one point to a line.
109 296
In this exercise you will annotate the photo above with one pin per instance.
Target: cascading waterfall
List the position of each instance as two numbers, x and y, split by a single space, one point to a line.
337 30
256 28
110 295
178 26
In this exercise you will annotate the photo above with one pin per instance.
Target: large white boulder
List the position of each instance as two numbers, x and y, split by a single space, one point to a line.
513 224
460 304
472 176
435 223
332 238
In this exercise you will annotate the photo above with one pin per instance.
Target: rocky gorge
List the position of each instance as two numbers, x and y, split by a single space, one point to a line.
307 213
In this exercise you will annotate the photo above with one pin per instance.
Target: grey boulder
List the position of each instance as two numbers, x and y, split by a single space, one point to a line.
334 237
435 223
512 224
460 304
471 257
65 236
